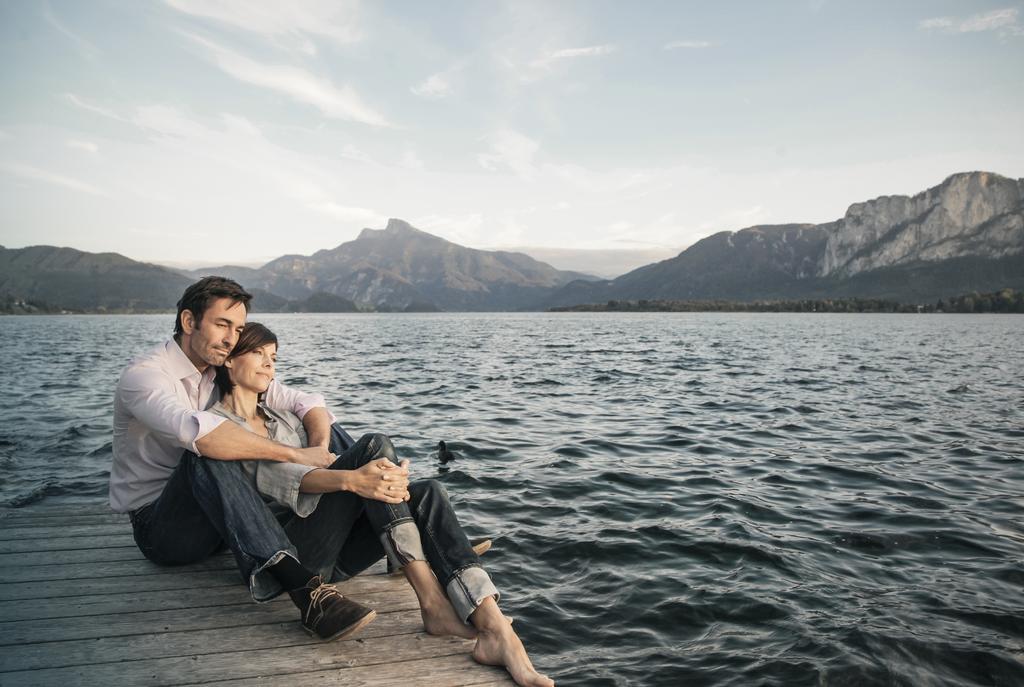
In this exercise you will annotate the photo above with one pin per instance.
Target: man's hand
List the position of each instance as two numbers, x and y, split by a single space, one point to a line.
316 456
381 480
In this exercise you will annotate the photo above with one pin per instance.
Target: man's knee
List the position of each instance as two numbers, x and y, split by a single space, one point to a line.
380 446
427 490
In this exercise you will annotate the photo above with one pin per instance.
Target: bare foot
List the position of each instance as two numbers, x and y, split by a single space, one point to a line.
441 619
502 647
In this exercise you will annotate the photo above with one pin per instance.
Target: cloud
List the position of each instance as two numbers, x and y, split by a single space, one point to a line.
338 102
348 214
52 178
938 24
350 152
87 146
512 150
435 86
463 229
95 109
1003 21
688 45
572 53
86 47
166 121
236 149
335 20
410 160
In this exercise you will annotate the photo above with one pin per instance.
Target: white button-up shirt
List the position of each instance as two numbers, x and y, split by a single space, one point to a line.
160 410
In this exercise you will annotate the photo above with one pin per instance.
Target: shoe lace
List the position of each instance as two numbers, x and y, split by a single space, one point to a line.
321 594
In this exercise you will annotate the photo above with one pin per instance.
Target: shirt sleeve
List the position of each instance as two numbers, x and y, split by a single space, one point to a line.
281 482
147 395
281 397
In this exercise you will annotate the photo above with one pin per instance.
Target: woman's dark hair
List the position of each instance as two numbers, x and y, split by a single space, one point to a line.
252 337
198 297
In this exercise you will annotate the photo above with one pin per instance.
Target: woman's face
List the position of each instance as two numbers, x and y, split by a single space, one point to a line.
253 370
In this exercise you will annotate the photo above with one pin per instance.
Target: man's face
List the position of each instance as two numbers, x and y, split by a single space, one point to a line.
213 337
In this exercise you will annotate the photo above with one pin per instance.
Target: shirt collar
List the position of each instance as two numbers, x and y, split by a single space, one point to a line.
181 366
269 416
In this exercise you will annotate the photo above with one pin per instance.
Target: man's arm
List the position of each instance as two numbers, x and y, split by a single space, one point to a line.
229 441
147 396
310 408
318 427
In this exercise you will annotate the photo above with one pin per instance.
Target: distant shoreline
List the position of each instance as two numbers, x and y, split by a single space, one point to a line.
1007 301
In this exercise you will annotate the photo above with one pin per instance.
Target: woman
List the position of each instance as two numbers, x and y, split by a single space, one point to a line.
363 507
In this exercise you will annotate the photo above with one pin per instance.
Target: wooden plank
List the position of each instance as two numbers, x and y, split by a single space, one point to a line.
91 507
29 520
373 591
458 670
108 604
105 555
131 584
198 669
82 571
80 605
38 532
173 578
67 543
69 653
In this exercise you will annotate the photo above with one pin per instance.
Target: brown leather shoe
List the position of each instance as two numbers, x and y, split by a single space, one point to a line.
327 614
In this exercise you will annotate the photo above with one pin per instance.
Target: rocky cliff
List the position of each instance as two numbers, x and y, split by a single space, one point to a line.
975 214
966 234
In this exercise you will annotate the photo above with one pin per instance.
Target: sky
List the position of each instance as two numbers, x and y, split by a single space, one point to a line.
204 132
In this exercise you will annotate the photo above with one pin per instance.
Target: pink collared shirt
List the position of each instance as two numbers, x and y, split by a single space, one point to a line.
160 410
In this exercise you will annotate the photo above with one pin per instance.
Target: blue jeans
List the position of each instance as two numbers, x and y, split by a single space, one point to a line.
208 503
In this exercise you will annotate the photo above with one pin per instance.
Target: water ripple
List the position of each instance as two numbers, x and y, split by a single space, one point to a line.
708 499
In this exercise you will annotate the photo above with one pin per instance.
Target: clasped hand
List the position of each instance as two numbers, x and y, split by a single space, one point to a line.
382 480
379 479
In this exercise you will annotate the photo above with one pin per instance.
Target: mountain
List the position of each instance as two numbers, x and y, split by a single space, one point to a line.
400 267
966 234
68 279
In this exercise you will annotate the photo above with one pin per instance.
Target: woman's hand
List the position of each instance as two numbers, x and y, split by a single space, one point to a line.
381 480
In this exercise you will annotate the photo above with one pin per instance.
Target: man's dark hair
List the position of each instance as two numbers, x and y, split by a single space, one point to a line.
255 335
198 297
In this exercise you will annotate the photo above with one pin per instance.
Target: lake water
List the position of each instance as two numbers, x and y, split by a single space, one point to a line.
705 499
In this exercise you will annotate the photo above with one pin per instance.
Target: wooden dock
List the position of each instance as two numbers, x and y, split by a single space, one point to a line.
79 605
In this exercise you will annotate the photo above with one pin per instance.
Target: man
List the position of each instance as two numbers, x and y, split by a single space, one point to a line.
174 469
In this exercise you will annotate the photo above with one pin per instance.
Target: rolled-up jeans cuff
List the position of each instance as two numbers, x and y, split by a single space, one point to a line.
402 543
468 589
262 583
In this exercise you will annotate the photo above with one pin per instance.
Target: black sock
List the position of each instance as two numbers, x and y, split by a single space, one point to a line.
290 573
